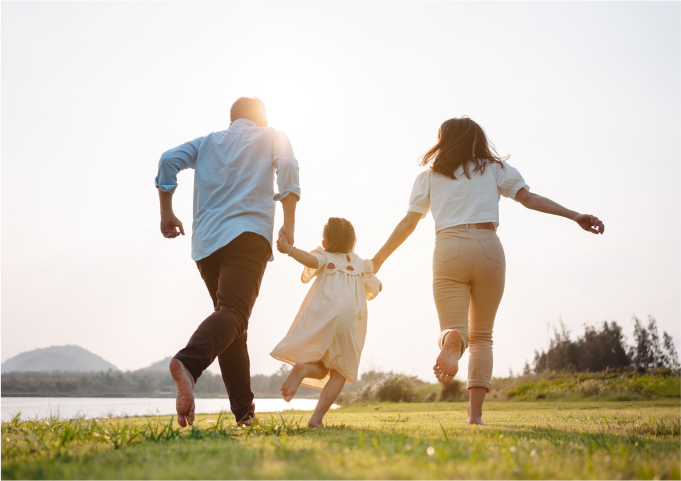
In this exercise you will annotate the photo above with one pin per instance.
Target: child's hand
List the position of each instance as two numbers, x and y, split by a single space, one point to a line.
282 245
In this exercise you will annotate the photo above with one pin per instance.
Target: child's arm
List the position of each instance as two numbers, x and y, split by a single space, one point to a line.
305 258
371 283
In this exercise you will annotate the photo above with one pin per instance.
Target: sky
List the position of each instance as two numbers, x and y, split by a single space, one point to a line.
584 97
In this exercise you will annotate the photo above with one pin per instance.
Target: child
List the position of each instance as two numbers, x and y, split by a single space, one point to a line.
325 342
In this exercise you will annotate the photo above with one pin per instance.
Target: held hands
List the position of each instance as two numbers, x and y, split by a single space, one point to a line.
171 227
287 231
590 223
283 245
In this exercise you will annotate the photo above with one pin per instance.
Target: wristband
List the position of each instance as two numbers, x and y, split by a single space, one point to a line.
291 251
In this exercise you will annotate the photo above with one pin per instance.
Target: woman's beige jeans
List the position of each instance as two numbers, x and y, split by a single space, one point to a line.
469 270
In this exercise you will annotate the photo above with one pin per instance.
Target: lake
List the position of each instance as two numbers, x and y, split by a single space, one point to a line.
92 407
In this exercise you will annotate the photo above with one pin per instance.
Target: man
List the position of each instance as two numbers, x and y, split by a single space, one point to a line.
234 204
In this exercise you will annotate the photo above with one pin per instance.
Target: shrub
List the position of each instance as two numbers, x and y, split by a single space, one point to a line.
397 388
392 388
520 390
452 392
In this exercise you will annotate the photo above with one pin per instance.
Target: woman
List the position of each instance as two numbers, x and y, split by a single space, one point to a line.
462 187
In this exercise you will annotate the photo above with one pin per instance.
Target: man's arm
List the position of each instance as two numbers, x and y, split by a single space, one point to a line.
171 163
171 226
288 229
288 182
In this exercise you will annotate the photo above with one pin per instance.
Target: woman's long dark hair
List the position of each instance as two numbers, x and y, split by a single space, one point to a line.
461 142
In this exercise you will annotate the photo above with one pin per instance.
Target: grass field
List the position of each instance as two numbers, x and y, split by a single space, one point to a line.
534 440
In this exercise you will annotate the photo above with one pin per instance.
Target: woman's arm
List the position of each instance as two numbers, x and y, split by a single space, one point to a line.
403 230
305 258
536 202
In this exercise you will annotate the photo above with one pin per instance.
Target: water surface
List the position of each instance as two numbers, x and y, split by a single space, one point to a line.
92 407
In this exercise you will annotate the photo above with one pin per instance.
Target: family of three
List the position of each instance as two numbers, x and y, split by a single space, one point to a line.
232 239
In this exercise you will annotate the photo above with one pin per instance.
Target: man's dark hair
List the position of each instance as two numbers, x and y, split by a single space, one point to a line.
251 108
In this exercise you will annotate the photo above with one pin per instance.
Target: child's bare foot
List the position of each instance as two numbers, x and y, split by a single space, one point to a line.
447 364
292 382
315 423
184 384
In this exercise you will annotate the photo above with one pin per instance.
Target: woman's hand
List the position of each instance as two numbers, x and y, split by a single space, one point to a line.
283 245
590 223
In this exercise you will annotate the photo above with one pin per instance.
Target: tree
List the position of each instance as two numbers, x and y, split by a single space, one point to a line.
602 348
647 351
672 356
526 370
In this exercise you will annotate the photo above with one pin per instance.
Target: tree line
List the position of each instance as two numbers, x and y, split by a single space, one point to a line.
133 384
599 349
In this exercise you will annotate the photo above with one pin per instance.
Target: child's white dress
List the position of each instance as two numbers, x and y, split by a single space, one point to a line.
331 324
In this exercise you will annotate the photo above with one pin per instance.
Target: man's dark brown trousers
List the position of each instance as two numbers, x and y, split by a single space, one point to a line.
232 275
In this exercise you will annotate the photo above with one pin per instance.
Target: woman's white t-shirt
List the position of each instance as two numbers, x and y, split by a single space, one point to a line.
462 200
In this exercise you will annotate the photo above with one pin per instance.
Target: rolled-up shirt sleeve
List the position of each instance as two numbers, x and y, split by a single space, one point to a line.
173 161
509 181
285 166
419 201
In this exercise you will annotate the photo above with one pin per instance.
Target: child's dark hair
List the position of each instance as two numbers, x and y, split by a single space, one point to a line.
339 236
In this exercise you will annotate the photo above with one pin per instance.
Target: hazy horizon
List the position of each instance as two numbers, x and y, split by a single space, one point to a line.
585 97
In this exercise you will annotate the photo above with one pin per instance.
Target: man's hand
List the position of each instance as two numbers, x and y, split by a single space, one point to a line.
283 245
590 223
287 230
171 227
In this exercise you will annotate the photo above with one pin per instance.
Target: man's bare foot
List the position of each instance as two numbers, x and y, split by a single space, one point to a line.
247 420
184 384
292 382
447 364
475 418
315 423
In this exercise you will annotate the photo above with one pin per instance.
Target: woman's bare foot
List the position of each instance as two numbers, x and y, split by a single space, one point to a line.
184 384
292 382
475 418
447 364
475 401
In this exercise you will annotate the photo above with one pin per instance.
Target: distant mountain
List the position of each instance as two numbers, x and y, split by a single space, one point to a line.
161 365
57 358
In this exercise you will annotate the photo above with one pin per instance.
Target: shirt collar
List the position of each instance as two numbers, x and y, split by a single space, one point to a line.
243 122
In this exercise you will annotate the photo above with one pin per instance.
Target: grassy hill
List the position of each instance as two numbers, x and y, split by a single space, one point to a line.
57 358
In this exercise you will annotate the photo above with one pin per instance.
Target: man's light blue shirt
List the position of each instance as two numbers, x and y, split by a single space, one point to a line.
233 183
